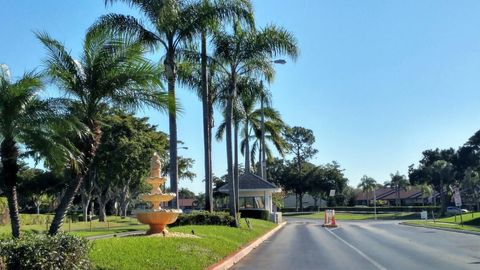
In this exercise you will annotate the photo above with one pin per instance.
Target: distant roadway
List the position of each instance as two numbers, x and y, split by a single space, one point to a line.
363 245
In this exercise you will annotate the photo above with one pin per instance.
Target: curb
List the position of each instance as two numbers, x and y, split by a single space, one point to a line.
441 229
232 259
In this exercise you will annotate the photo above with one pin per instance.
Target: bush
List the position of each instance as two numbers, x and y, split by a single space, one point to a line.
204 218
40 251
369 209
255 213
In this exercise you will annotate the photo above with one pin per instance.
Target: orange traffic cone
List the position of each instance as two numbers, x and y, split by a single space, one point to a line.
334 224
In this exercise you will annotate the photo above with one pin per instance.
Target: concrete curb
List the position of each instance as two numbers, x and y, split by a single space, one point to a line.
441 229
232 259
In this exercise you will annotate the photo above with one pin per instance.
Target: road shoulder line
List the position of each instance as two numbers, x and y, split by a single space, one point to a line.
365 256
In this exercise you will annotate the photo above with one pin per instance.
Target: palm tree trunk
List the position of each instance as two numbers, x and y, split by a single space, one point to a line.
231 178
9 154
172 123
90 147
235 166
206 124
247 148
398 196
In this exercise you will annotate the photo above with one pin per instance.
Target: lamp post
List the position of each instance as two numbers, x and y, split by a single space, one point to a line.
263 162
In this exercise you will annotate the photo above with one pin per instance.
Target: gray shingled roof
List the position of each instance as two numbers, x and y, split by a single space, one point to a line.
250 181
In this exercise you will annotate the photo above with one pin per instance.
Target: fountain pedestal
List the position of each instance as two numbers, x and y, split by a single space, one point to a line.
157 217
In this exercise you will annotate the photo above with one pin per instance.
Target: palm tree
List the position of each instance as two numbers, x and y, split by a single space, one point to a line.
111 72
175 23
29 121
367 185
427 192
398 182
247 53
444 172
221 10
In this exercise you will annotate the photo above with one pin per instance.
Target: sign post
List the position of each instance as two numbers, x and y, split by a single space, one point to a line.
458 202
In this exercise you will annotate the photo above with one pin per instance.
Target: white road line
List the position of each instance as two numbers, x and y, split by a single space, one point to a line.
372 261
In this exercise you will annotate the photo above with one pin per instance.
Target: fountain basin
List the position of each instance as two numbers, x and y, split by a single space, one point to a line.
158 198
158 220
154 181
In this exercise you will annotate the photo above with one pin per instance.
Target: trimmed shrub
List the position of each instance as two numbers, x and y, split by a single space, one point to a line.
41 251
255 213
204 218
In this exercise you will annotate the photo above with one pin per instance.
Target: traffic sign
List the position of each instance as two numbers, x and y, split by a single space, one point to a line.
332 192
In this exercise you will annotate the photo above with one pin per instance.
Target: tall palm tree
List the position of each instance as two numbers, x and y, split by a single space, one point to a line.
398 182
27 120
110 72
175 23
247 52
221 11
367 185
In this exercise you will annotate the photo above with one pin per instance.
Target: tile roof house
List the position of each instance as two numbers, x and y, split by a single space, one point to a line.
411 196
253 192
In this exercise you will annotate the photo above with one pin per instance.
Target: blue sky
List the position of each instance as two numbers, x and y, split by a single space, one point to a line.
377 81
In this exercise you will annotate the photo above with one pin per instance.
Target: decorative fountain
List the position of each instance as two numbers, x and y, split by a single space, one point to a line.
157 217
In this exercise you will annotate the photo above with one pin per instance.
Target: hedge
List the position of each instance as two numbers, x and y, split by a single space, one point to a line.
41 251
255 213
204 218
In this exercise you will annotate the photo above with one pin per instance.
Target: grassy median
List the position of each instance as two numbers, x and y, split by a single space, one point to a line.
471 222
139 252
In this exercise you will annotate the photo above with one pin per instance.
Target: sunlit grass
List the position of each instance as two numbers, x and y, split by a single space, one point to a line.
140 252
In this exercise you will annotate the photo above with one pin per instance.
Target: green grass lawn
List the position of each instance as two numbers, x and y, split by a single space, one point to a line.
469 223
430 224
360 216
139 252
114 225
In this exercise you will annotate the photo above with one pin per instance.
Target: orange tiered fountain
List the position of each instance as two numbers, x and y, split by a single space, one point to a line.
157 217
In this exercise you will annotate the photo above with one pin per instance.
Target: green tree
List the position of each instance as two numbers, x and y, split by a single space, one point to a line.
427 192
122 160
398 182
185 193
26 120
243 52
111 71
471 186
367 185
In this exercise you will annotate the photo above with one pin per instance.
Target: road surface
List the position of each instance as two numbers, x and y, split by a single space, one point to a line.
378 245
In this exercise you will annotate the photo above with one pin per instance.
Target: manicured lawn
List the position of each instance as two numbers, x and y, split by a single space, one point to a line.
468 219
469 223
140 252
430 224
114 225
360 216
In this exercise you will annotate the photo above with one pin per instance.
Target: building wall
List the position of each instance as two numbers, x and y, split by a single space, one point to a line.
267 195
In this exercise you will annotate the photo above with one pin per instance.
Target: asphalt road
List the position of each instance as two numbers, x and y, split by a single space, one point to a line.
304 244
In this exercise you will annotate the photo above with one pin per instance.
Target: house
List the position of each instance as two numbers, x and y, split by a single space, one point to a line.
388 196
186 203
253 192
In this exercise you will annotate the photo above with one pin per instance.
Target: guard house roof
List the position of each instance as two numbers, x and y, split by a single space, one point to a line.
250 181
